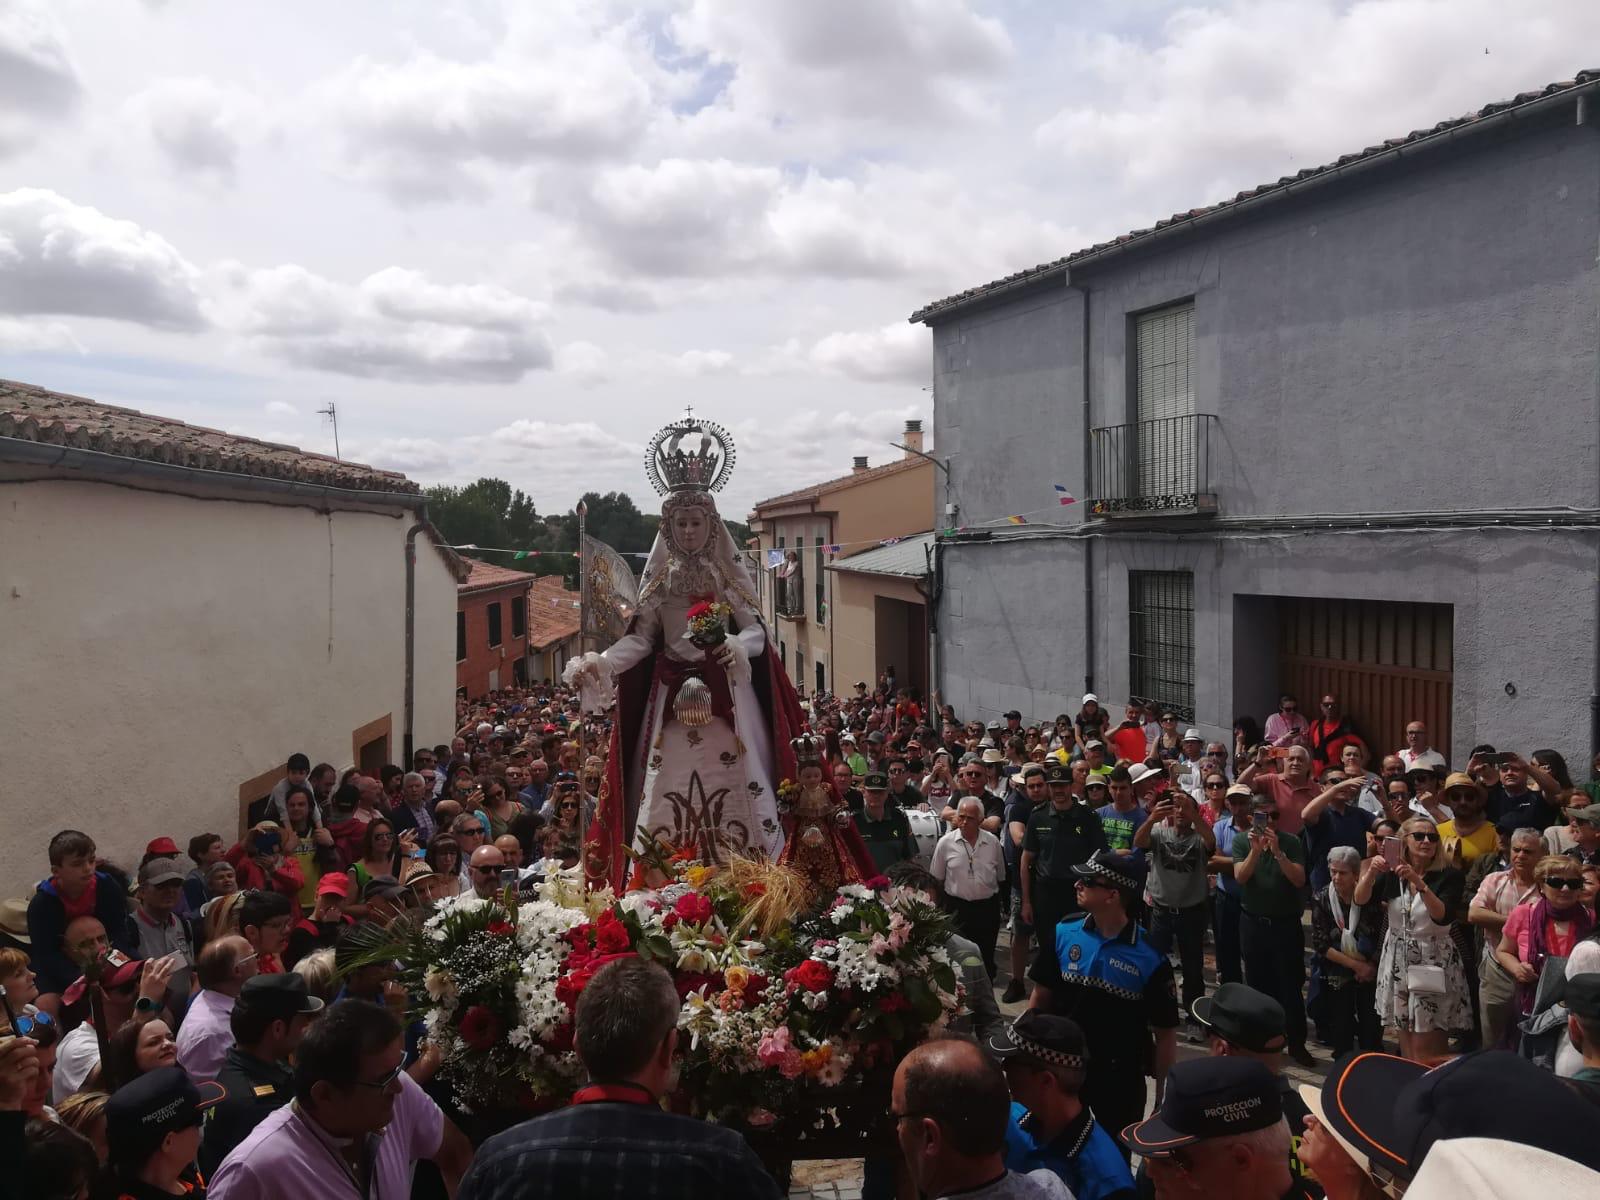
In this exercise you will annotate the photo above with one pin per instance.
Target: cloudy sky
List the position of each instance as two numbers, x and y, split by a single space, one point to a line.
517 236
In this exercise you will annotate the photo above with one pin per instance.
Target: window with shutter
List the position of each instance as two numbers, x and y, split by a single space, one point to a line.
1164 394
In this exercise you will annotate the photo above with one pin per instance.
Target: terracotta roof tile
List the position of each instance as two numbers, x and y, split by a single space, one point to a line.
35 414
482 576
1583 80
817 490
552 612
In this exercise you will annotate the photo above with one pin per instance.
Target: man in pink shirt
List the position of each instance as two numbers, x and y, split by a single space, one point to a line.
205 1037
1293 787
1287 726
358 1123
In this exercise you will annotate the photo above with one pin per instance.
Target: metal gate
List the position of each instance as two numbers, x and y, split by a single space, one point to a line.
1388 662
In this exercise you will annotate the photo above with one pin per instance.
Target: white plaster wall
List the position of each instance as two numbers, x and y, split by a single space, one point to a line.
157 651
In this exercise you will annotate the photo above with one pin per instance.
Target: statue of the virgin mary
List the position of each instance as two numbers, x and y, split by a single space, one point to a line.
704 717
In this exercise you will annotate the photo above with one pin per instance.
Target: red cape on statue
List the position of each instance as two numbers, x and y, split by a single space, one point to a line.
617 811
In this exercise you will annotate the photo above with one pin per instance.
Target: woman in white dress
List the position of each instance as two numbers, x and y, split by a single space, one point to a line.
1422 985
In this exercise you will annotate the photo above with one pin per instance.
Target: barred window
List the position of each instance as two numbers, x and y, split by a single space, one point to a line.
1161 639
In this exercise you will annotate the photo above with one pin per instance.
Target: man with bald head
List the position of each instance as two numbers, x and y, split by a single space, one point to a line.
951 1108
970 866
484 868
206 1035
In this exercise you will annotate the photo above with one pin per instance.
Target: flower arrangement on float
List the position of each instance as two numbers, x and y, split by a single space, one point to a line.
777 1003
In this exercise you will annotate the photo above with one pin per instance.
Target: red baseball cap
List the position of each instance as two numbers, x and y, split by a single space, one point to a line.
335 883
163 846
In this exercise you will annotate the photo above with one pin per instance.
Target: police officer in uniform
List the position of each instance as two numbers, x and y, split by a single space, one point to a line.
1107 977
1061 834
268 1020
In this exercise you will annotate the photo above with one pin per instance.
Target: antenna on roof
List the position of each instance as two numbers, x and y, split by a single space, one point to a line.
332 414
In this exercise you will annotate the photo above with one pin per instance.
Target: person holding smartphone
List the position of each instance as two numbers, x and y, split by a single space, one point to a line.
1180 845
1422 984
1270 869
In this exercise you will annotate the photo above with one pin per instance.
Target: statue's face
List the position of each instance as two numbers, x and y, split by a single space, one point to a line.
690 530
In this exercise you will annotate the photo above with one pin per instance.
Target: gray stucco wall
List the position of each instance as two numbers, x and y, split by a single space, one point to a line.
1424 340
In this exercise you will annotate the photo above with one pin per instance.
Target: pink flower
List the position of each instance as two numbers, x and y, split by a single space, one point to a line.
760 1118
774 1045
792 1066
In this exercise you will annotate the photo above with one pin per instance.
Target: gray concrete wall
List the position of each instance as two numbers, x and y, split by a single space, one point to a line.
1423 340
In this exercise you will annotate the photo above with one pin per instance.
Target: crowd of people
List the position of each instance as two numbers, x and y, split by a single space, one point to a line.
203 1022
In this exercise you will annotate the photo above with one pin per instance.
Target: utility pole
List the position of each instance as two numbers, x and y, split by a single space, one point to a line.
332 413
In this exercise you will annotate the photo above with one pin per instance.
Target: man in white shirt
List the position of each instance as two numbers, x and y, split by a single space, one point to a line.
970 866
1417 752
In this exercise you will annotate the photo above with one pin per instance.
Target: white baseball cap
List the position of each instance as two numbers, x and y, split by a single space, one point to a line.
1088 696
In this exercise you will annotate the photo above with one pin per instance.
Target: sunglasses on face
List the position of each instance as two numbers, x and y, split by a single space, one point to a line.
1215 783
1422 836
1560 884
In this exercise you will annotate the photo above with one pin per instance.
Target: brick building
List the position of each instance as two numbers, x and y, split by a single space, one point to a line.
491 628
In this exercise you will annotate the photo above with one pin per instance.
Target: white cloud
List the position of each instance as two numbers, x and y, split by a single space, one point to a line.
281 408
586 436
1238 94
423 456
568 82
61 257
702 362
915 62
395 324
898 353
583 361
38 81
197 124
19 337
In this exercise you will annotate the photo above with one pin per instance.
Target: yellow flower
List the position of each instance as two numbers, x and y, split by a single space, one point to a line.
697 876
815 1060
737 978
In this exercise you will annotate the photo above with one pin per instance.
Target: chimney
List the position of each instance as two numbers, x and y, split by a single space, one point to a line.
913 437
859 465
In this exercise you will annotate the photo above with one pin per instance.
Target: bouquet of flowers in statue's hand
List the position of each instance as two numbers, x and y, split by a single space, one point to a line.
775 1004
707 619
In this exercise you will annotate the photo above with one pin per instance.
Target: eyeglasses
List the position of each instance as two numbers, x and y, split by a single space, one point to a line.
489 870
1560 883
1423 836
1216 783
382 1085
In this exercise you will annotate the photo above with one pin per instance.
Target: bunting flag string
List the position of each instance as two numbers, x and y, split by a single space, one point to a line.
518 555
1062 495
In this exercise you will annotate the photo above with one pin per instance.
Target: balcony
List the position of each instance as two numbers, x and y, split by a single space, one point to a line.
1152 467
792 597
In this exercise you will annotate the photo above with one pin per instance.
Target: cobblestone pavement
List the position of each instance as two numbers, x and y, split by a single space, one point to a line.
840 1179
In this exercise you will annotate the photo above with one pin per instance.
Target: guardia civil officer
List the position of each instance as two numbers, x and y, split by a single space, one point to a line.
1107 977
1062 833
268 1020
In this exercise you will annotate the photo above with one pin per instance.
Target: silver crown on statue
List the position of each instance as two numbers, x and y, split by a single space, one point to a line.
690 455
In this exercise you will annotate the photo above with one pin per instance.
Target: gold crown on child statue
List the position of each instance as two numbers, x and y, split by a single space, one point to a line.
808 750
690 455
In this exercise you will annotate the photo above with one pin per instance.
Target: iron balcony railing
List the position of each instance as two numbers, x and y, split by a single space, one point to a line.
1152 466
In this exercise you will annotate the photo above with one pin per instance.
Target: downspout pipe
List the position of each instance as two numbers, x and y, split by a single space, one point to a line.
1584 115
408 735
1088 486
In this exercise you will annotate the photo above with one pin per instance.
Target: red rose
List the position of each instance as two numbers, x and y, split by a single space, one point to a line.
561 1039
611 935
877 883
753 891
810 976
480 1028
693 908
692 981
498 928
701 609
893 1002
578 935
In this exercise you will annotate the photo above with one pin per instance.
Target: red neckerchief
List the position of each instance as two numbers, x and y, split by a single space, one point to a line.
614 1093
83 906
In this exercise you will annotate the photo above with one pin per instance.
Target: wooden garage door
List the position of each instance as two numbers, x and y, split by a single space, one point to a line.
1388 663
